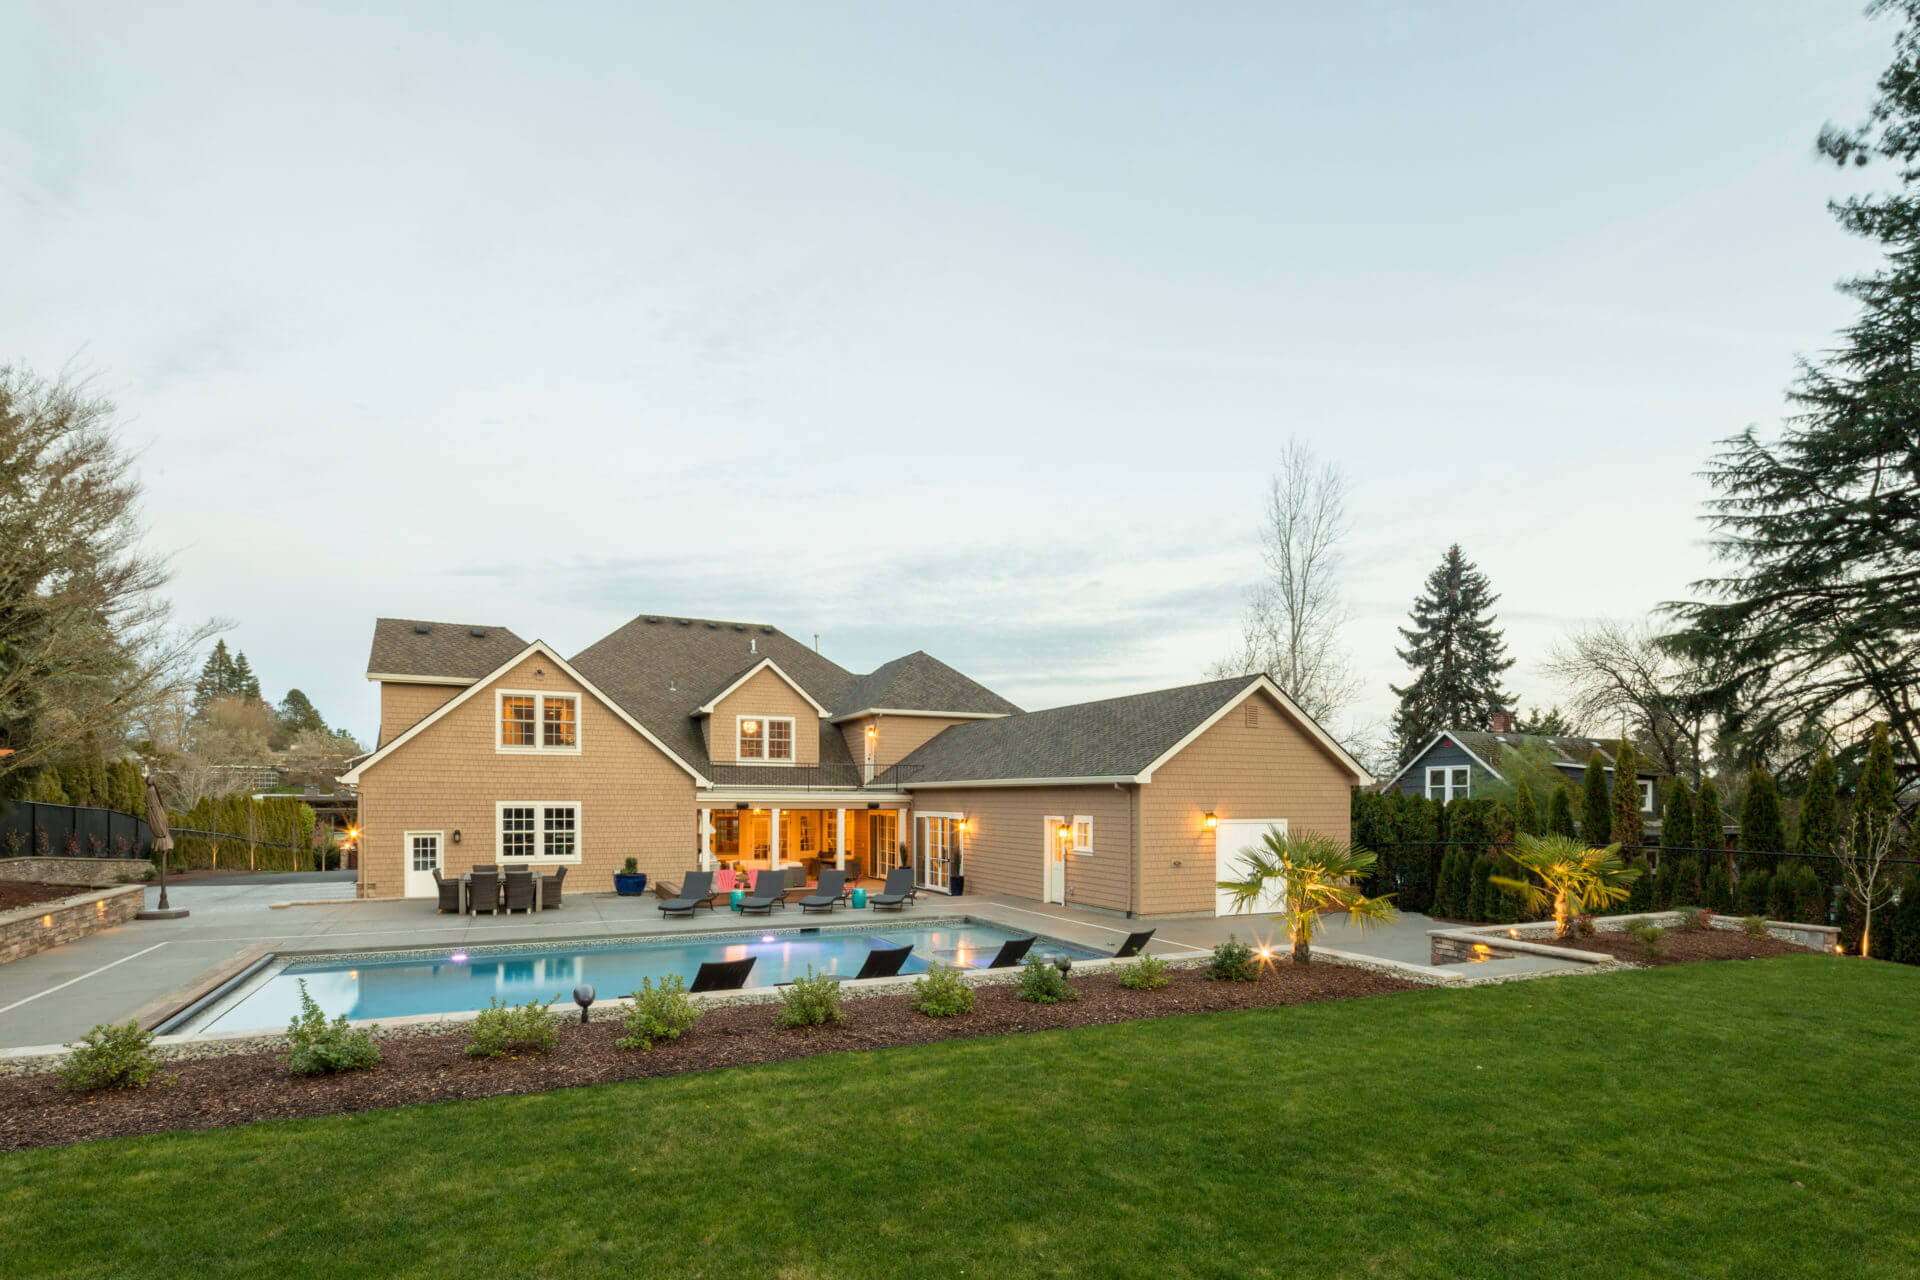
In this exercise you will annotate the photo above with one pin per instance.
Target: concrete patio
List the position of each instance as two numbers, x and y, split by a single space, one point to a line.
57 995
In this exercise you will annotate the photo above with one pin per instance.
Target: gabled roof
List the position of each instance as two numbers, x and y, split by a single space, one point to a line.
920 682
1112 740
1568 752
765 664
661 670
478 687
408 649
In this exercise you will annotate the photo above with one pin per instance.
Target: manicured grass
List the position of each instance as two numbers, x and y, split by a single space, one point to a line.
1735 1119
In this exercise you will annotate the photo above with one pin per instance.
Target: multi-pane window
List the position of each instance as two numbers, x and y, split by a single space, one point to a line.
1646 795
1448 782
516 720
539 722
426 852
557 722
766 737
1083 834
516 831
562 822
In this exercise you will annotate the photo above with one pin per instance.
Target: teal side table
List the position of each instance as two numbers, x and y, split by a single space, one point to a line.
859 899
735 897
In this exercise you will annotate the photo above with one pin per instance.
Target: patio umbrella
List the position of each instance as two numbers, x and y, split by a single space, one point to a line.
163 845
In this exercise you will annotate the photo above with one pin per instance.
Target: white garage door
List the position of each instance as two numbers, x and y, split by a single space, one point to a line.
1229 838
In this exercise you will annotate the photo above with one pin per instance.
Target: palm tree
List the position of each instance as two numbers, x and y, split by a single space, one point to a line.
1573 877
1317 873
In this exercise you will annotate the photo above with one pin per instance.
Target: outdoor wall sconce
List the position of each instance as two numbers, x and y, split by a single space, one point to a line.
966 825
1212 820
743 806
456 835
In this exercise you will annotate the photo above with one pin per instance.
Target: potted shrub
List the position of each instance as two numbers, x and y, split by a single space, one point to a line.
630 879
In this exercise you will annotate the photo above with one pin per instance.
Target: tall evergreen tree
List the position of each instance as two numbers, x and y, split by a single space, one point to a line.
299 715
1625 824
1761 830
1456 653
1596 813
216 677
1560 814
1676 823
1820 810
245 683
1709 823
1873 798
1819 610
1526 814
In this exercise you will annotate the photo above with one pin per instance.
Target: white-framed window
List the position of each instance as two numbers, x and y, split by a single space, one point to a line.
538 830
423 850
766 739
1082 833
1448 782
1647 800
530 721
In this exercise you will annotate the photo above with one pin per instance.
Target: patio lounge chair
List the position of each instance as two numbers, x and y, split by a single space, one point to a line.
483 893
1134 945
770 889
898 890
827 894
722 975
520 890
695 891
883 962
449 892
550 888
1012 952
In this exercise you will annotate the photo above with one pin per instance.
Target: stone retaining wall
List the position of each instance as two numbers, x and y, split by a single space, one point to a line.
30 929
1488 942
95 871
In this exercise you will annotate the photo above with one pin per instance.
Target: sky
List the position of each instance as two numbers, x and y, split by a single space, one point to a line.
973 329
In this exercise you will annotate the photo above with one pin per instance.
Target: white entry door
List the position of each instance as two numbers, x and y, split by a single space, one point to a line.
1053 860
1229 838
423 859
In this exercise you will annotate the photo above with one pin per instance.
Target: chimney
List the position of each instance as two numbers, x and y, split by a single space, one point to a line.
1500 722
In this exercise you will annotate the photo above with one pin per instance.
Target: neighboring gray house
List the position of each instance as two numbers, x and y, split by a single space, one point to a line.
1455 761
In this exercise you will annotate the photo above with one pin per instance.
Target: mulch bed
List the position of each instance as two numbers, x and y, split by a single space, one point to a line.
1681 947
216 1093
24 893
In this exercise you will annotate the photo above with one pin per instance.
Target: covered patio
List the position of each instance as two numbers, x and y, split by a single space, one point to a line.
863 838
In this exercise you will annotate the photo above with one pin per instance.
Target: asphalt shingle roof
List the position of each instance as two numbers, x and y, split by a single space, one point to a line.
445 650
921 682
1572 751
1115 737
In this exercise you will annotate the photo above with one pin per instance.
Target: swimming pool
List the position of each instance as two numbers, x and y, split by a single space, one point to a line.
395 984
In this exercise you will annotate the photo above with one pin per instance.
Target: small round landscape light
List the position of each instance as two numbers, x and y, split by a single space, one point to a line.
1064 964
583 996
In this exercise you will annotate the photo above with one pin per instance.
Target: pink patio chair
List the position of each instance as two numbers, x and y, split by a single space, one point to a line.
723 880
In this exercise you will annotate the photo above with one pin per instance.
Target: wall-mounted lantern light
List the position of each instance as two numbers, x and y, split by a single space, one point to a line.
1213 821
456 835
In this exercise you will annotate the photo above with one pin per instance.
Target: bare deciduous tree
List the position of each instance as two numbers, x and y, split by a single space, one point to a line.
1866 872
86 645
1291 629
1618 674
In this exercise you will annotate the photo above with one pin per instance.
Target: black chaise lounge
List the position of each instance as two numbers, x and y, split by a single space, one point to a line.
881 962
827 894
1135 943
1012 952
722 975
695 891
770 889
899 888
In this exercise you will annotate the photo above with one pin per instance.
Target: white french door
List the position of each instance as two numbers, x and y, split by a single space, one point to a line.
883 842
1053 861
939 850
422 852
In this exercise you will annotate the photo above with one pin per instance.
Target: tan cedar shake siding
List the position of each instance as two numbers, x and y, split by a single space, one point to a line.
898 738
1004 851
1271 769
404 705
634 801
764 694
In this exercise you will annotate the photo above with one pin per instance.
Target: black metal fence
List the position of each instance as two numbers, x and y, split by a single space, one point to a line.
35 830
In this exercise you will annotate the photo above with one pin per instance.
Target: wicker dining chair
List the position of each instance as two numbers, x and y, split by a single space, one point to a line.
520 890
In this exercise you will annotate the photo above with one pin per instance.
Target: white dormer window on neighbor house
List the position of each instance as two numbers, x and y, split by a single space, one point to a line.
1447 783
767 738
537 722
1646 795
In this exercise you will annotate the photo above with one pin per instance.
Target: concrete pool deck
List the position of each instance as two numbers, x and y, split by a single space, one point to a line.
57 995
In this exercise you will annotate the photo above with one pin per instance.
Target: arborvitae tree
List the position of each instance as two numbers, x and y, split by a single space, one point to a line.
1456 653
1819 829
1479 908
1560 814
1624 822
1756 883
1873 797
1676 824
1716 888
1709 824
1761 830
1526 815
1596 814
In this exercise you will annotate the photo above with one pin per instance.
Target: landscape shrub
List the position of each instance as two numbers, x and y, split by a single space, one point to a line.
1041 982
1583 926
1648 934
1754 927
1780 893
1479 907
1755 885
322 1048
114 1055
940 992
663 1012
1666 882
1148 973
500 1029
1232 961
1698 920
1640 892
810 1001
1716 889
1810 897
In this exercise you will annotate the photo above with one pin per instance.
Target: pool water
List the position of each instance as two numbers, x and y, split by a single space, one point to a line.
450 981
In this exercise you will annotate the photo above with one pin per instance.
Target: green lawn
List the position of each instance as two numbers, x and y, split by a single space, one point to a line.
1739 1119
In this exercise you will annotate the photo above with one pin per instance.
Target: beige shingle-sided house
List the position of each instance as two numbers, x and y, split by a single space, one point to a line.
684 742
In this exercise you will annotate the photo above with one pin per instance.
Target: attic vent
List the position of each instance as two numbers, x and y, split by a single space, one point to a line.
686 622
653 619
478 633
421 628
713 626
739 626
1253 716
753 646
673 686
766 631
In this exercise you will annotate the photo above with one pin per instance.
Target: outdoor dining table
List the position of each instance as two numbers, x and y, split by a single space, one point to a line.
466 891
